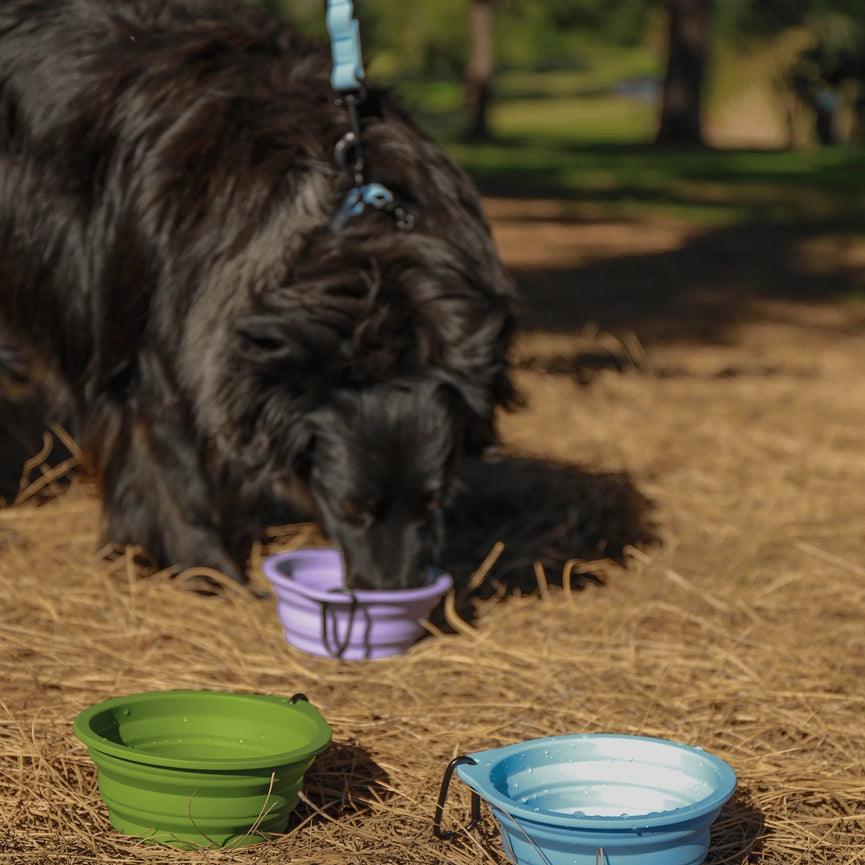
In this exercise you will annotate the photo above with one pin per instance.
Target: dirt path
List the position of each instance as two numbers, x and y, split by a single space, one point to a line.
716 402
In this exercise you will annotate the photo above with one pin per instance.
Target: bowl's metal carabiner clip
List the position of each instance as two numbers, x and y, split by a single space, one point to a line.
443 795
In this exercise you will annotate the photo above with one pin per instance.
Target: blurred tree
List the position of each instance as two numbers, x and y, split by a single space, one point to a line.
480 66
690 22
828 71
467 40
307 15
617 21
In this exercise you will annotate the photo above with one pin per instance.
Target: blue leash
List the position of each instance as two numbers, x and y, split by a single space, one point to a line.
347 79
348 73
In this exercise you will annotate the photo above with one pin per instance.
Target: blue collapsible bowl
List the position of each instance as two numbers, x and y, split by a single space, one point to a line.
599 799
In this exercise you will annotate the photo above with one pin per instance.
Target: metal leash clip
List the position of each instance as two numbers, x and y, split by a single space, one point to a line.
349 151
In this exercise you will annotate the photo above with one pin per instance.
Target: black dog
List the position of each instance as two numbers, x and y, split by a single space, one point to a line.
167 183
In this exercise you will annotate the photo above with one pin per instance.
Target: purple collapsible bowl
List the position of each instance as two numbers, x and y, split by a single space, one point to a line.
322 617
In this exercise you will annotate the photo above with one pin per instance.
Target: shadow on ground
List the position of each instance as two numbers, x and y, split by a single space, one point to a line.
342 781
737 229
738 834
542 511
21 437
697 293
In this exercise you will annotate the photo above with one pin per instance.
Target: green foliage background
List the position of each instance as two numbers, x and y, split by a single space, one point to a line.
429 37
565 127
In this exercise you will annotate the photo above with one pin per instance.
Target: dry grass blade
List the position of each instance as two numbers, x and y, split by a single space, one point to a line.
49 477
483 570
543 585
844 564
454 619
35 461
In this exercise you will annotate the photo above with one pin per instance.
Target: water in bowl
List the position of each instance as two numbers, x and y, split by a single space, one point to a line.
608 787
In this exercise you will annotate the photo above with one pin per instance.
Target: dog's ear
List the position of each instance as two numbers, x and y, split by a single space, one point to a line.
284 360
302 447
473 358
274 446
280 345
473 411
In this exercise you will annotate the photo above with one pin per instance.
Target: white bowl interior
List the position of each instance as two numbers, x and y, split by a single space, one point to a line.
605 778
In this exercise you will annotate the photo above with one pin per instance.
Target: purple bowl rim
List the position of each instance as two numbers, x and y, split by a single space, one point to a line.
442 584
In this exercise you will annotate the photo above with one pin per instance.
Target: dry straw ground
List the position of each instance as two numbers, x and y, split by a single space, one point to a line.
732 430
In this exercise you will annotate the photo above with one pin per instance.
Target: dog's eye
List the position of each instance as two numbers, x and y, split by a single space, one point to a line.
354 509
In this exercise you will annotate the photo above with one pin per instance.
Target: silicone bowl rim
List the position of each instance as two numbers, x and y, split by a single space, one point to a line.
443 583
478 777
320 740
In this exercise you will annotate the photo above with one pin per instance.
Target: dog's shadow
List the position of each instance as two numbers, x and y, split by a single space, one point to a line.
545 513
343 781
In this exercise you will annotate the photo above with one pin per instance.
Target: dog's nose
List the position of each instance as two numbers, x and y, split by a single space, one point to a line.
394 578
414 575
362 582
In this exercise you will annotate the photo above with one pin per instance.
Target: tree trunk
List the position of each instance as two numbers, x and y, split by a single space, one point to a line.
480 66
824 123
858 136
690 23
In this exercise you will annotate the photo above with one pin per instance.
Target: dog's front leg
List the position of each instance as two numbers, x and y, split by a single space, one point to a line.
155 491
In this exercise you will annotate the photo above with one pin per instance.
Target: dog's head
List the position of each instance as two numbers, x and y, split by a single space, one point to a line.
379 466
363 379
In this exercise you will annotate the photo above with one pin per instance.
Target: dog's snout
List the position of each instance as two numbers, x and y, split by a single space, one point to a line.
360 579
387 569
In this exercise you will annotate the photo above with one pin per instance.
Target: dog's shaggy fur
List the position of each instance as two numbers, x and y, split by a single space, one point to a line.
166 188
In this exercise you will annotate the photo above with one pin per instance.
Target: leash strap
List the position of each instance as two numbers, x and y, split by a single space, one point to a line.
348 73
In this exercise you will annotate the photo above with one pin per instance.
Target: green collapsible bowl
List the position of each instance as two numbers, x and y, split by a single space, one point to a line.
197 769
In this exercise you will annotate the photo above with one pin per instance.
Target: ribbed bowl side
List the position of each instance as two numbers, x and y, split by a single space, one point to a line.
191 809
684 844
371 630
